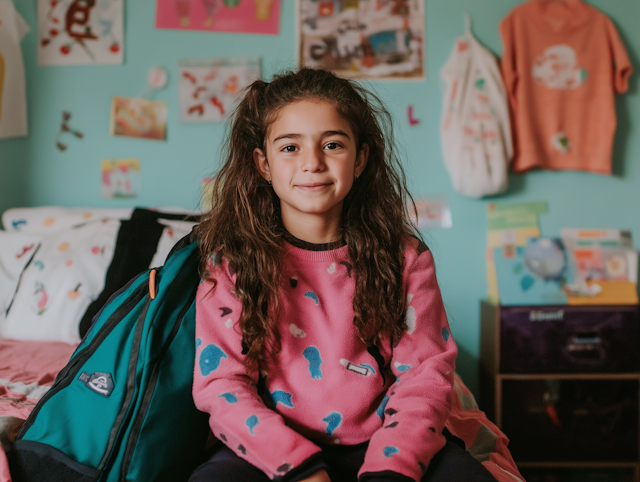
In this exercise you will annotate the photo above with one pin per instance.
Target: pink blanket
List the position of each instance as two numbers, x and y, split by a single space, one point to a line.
28 369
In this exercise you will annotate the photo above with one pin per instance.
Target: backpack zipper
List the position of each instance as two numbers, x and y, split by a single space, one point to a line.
124 413
139 420
67 375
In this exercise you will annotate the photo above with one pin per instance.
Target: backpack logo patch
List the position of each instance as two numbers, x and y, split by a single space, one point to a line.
99 382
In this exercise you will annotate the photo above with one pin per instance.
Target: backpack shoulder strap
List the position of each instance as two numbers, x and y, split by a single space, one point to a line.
190 238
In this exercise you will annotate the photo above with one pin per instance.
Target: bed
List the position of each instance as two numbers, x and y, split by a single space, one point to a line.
58 266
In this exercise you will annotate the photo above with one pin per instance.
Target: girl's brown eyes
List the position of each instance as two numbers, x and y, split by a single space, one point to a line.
329 145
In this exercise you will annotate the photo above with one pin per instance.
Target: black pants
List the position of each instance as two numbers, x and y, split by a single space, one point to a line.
451 464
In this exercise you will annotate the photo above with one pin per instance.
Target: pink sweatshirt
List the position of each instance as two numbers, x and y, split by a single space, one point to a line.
325 385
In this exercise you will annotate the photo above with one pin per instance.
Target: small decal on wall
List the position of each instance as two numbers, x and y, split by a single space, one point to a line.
64 128
209 87
75 32
240 16
412 120
120 178
134 117
433 213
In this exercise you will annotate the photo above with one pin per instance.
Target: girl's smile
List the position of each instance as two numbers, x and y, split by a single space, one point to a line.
311 159
312 186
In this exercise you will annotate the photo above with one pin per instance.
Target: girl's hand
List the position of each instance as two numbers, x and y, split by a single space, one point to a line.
321 476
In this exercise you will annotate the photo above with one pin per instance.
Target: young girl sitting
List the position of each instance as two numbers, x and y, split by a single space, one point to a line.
323 348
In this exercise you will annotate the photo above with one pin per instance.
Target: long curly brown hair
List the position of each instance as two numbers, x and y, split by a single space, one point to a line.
244 224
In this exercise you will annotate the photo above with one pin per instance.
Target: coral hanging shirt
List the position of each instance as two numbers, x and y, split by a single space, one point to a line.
563 63
325 386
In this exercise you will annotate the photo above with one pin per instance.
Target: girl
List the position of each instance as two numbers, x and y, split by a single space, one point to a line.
323 348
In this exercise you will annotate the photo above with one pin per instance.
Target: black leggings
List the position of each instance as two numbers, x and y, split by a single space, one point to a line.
451 464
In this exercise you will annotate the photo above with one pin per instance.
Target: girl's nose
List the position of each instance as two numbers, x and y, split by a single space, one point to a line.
313 160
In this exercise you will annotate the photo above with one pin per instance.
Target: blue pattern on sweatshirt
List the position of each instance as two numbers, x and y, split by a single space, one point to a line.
312 354
251 422
383 405
334 419
390 451
282 397
229 397
210 358
313 296
366 365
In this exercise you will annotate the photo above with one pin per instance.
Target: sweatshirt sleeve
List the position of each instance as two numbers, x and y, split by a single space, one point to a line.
418 403
622 69
226 390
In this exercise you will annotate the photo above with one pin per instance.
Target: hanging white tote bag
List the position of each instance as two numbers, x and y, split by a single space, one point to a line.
475 131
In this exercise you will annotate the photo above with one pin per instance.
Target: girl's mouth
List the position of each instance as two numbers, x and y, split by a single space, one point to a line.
315 186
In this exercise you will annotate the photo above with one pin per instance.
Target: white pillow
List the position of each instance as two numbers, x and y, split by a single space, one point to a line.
173 232
66 275
51 219
16 250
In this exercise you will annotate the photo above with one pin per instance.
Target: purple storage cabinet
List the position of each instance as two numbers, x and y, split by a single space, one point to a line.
569 339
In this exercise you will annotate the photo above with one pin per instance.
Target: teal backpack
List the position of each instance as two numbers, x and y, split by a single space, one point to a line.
122 409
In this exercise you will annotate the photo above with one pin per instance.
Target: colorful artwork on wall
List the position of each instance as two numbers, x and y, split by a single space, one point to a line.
365 38
239 16
134 117
209 87
433 213
76 32
120 178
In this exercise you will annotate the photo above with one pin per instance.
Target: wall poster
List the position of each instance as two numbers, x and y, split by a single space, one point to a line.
238 16
75 32
377 39
120 178
208 87
135 117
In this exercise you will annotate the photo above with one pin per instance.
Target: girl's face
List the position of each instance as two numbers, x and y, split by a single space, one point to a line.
311 159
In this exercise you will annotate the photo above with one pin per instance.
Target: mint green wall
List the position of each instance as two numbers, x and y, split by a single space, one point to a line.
33 172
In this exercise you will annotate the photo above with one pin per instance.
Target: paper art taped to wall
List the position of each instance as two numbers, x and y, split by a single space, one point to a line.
13 102
208 88
364 38
65 129
433 213
120 178
134 117
77 32
241 16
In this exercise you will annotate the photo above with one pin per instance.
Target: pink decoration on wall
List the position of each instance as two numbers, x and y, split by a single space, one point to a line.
412 120
238 16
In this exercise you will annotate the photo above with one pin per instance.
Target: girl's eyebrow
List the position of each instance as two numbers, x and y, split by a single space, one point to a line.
324 134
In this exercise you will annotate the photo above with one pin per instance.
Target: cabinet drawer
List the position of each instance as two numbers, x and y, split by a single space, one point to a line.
571 420
569 339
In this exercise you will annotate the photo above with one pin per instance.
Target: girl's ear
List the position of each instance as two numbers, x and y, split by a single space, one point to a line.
261 163
361 161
